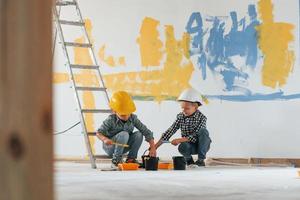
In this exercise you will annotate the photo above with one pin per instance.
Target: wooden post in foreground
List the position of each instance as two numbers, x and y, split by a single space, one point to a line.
26 165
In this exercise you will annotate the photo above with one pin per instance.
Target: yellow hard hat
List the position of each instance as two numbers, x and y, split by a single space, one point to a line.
122 103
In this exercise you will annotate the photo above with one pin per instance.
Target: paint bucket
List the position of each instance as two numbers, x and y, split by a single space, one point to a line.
179 163
151 163
144 157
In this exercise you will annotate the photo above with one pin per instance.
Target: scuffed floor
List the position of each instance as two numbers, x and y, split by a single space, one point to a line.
77 181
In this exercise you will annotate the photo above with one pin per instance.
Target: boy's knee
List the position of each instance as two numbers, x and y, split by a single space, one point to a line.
203 131
183 147
203 137
138 136
123 134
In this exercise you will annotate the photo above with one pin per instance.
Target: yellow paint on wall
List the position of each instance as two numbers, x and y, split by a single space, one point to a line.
160 84
88 25
101 53
86 78
274 40
149 42
110 60
60 78
185 43
122 61
177 71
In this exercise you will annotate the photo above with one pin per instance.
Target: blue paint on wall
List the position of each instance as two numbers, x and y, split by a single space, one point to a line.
255 97
195 28
241 40
215 45
251 38
196 31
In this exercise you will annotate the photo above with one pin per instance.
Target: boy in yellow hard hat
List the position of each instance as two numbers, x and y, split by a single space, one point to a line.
192 123
118 129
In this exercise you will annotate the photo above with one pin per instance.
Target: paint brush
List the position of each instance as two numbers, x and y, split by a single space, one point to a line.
119 144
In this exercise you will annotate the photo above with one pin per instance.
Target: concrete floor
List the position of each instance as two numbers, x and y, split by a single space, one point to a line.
78 181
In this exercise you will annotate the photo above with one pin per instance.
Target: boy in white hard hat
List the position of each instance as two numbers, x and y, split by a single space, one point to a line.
194 138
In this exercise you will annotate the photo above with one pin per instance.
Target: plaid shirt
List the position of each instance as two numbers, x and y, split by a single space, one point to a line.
189 126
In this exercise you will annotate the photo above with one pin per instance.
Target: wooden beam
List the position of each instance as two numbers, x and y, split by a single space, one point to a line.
25 100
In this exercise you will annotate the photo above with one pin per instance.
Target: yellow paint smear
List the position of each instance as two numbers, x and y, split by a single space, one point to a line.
166 82
122 61
149 42
60 78
110 60
274 40
160 84
186 38
86 78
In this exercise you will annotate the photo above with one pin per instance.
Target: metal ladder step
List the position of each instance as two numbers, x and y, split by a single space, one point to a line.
65 3
90 88
84 66
101 157
91 133
75 23
74 44
96 111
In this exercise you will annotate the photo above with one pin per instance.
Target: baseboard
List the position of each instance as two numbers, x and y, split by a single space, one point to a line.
295 162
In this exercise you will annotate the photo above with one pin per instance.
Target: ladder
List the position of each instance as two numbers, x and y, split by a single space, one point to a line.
79 22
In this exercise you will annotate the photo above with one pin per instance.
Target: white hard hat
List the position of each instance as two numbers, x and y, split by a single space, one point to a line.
190 95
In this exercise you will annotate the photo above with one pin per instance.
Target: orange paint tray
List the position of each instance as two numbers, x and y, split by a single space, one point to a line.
128 166
165 165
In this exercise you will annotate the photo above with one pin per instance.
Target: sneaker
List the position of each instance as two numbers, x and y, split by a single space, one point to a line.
116 161
190 161
193 166
133 160
200 163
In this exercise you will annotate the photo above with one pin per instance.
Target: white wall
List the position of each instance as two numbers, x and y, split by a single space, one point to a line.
238 129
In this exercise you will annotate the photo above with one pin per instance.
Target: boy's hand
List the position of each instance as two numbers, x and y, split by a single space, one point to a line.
158 144
108 141
152 152
175 142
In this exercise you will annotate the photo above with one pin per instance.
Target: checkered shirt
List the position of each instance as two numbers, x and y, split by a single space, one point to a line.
189 126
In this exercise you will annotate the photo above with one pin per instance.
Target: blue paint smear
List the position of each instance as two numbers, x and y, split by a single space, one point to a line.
219 48
235 40
196 31
215 45
195 28
215 53
230 74
251 38
255 97
202 63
